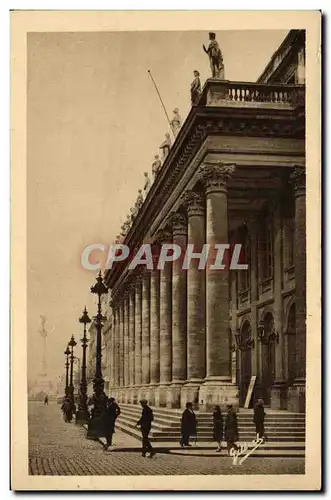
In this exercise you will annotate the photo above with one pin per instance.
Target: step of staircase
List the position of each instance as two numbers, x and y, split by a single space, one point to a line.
281 427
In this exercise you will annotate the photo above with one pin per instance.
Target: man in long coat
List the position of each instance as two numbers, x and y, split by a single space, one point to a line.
145 423
111 414
258 419
188 425
231 429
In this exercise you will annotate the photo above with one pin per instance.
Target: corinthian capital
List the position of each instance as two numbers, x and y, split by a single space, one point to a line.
179 224
193 202
215 175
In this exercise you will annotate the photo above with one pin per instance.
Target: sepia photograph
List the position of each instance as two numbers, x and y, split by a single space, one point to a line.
165 250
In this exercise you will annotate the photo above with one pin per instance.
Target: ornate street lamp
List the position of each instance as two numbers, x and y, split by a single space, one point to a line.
82 415
67 354
72 344
99 398
272 337
247 343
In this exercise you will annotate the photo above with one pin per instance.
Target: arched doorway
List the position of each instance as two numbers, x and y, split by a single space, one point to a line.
291 346
268 359
245 364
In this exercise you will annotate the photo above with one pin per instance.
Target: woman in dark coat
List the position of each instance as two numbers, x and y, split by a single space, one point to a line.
231 429
258 419
188 425
218 426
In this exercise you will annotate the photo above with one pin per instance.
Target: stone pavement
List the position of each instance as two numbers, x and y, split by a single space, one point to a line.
58 448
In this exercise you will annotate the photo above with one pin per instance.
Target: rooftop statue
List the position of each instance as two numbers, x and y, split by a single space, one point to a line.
176 122
133 213
215 57
166 145
156 166
139 200
147 185
195 88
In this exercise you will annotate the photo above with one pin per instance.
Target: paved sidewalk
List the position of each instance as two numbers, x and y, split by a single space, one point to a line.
58 448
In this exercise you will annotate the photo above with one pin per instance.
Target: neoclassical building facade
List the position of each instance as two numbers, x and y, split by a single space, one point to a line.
234 175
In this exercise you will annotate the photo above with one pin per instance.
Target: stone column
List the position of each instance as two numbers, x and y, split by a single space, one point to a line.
218 387
121 392
112 351
278 389
131 343
162 394
126 345
196 286
155 335
297 400
137 332
145 335
179 312
117 350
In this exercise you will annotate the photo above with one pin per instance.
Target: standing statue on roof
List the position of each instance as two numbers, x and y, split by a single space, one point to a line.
215 57
176 122
166 145
139 201
195 88
156 166
147 185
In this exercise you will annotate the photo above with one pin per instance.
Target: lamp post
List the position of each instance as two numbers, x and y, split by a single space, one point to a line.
72 344
265 338
82 415
67 354
244 344
99 398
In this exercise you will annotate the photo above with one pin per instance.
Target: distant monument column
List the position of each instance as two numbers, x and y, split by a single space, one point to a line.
179 309
196 315
218 387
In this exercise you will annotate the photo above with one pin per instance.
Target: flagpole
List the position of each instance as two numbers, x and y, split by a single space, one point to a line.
158 93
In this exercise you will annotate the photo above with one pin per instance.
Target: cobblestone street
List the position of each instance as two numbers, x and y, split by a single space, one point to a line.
57 448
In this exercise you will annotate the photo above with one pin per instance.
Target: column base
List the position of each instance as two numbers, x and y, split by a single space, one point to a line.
134 395
162 395
218 391
190 393
144 393
296 396
174 394
152 390
278 396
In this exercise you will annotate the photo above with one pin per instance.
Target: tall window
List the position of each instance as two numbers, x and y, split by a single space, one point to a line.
245 258
266 248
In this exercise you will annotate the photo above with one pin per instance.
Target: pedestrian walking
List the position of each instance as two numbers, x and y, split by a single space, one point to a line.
111 414
258 419
218 426
145 423
67 409
46 400
188 425
231 429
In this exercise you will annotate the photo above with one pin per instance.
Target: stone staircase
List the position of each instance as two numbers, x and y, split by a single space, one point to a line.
285 431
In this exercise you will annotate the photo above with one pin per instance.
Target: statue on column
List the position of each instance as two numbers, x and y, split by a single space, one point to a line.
176 122
166 145
215 57
156 166
195 88
147 185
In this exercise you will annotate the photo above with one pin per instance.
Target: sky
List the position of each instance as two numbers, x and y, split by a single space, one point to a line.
95 123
